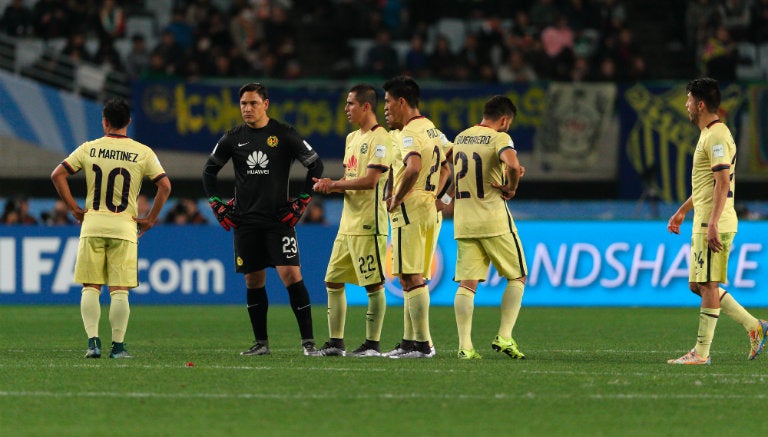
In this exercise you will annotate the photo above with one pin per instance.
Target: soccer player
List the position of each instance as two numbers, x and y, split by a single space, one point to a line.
714 223
114 167
486 175
361 243
263 217
418 167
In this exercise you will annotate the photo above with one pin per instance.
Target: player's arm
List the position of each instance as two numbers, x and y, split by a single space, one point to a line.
163 185
367 182
60 182
445 192
673 225
719 196
514 172
224 211
410 176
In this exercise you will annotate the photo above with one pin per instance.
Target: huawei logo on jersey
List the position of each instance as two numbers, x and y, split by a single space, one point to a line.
352 163
258 162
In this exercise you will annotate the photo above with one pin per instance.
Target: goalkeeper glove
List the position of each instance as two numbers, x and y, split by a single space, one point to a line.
292 211
223 211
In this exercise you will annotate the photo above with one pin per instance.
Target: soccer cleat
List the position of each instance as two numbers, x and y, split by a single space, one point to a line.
690 358
432 352
118 351
418 350
757 339
94 348
469 354
309 349
365 351
257 349
509 347
329 350
397 350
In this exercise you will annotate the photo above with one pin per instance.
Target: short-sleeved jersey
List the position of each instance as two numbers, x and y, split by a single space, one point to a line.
479 209
418 137
365 212
114 167
262 160
715 151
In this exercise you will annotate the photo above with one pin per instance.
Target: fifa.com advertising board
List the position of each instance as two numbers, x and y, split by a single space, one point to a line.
589 263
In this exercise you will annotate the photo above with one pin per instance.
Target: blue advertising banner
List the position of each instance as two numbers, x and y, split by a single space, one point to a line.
589 263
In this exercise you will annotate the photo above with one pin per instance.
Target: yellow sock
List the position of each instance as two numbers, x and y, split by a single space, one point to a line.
374 317
119 312
90 309
511 301
464 306
337 312
407 325
707 323
418 303
734 310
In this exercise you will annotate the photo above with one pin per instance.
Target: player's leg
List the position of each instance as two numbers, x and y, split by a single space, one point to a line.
705 275
756 329
251 259
398 251
90 270
340 270
471 268
370 250
122 262
507 255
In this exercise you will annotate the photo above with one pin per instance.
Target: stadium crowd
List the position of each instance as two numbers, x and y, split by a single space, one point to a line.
501 41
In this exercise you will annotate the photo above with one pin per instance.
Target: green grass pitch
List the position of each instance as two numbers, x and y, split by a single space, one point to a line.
591 371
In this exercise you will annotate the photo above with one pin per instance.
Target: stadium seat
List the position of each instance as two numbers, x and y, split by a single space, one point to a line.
748 67
453 29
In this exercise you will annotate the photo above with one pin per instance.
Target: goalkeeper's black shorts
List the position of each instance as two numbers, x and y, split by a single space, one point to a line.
259 247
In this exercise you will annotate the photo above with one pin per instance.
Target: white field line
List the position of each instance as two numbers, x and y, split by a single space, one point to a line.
380 396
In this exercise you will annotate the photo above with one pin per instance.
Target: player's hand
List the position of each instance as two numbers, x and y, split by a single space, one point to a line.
224 212
144 224
713 238
507 192
673 225
292 211
78 213
322 186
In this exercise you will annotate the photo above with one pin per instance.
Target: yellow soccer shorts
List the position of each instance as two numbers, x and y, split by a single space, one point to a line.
475 254
707 266
412 248
110 261
357 259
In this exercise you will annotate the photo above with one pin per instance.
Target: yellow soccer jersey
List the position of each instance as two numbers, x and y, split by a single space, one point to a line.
418 137
715 151
365 212
114 168
479 209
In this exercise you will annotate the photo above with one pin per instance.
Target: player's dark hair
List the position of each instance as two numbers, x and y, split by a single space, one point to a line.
365 93
404 87
254 86
117 112
499 106
707 90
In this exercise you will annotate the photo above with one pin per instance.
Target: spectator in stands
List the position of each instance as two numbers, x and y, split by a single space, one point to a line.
16 212
442 60
382 59
606 70
111 20
200 12
75 49
51 19
246 30
181 30
516 69
580 15
472 57
169 50
416 58
612 16
58 216
719 56
315 213
137 59
17 19
107 55
557 41
185 212
625 51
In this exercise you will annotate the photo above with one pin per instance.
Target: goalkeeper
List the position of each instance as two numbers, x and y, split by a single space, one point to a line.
261 214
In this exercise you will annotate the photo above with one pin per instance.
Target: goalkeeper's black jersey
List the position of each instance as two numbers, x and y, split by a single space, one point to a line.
262 161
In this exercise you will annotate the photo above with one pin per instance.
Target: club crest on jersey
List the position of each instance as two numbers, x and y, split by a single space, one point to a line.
257 163
272 141
364 149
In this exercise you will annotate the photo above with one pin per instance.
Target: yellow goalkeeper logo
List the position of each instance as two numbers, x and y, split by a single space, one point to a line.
272 141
